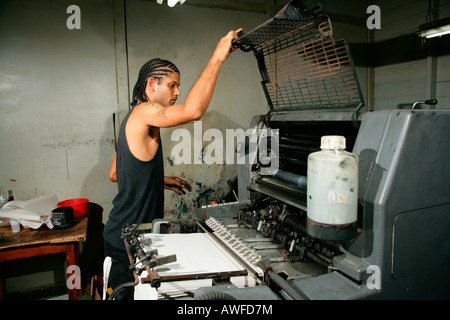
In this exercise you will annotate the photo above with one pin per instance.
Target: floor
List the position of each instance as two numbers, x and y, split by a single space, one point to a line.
63 297
53 292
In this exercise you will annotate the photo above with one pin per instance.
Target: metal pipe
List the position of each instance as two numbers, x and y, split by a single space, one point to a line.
286 286
126 284
136 278
317 259
292 178
280 281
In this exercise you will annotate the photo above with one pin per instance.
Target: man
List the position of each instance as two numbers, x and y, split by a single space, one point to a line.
138 164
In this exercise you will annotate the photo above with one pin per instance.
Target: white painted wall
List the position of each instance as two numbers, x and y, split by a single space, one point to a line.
443 82
57 95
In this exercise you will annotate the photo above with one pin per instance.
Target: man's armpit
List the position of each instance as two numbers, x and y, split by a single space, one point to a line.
161 111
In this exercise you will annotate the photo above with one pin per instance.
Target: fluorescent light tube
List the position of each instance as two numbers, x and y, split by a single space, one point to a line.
435 28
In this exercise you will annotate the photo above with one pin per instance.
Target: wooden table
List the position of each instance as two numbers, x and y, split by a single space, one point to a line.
30 243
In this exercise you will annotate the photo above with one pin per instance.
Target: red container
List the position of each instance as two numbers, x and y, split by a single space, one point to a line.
80 206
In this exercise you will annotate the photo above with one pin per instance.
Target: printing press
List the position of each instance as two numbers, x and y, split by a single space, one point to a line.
399 246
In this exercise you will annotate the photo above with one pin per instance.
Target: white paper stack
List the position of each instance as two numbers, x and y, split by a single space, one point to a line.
31 213
197 253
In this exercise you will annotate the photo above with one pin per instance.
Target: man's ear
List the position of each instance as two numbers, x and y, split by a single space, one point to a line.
151 82
150 88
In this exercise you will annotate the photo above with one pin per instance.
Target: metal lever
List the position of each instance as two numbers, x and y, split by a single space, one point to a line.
236 44
164 260
231 187
148 260
429 102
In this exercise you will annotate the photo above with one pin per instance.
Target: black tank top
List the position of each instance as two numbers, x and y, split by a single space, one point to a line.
140 197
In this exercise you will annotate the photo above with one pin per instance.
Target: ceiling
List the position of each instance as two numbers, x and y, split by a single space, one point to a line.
268 7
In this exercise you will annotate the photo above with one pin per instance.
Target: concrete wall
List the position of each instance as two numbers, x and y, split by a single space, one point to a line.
60 88
187 36
407 69
57 96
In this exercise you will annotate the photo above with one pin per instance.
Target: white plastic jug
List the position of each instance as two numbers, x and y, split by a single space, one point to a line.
332 191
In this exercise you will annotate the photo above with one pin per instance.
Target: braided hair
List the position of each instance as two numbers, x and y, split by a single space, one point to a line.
155 68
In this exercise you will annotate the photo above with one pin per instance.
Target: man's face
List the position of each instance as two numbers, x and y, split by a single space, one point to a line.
164 91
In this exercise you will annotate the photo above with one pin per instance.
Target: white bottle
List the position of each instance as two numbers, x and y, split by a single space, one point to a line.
332 191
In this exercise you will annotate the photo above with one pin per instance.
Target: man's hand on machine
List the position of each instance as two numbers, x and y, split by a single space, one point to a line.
176 184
